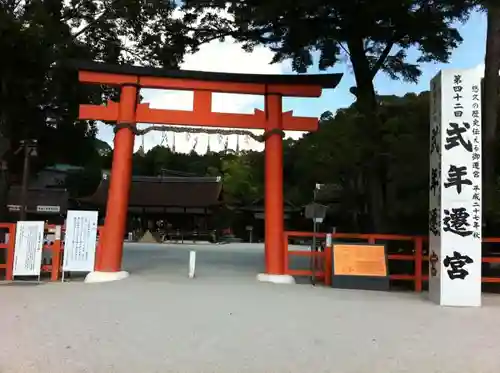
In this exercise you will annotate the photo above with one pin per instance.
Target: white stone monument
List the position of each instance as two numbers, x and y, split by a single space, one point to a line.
455 188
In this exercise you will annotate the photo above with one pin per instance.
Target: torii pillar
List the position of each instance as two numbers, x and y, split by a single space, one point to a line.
128 112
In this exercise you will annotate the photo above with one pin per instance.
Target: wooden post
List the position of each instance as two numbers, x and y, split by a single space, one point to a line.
418 263
111 248
274 250
10 252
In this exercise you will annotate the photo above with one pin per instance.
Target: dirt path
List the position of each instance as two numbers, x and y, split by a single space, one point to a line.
225 322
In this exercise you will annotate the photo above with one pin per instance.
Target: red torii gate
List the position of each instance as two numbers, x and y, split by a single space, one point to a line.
129 111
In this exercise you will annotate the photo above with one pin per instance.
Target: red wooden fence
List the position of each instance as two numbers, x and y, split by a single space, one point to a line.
417 256
324 259
8 266
53 266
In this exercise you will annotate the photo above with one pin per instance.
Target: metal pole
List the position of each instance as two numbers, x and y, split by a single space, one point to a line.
24 187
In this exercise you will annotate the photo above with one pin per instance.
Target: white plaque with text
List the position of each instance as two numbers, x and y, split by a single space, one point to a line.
80 241
28 248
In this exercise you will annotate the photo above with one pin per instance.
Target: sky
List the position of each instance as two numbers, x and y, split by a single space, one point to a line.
229 57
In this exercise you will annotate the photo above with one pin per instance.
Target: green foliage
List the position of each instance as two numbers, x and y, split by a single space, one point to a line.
334 155
371 32
369 35
83 183
375 150
161 159
240 173
40 97
239 185
102 147
490 115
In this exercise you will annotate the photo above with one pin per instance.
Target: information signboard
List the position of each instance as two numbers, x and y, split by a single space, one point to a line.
360 266
80 241
28 248
360 260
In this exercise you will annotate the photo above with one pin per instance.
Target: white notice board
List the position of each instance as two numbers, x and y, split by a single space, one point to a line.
80 241
28 248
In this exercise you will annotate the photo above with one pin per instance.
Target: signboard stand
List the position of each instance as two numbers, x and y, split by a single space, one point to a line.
360 266
317 213
28 249
80 242
249 229
37 280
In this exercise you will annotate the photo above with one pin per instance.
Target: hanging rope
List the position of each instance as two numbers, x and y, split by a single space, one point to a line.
208 145
220 138
195 144
209 131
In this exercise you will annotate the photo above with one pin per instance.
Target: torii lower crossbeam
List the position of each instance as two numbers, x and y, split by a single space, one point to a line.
128 111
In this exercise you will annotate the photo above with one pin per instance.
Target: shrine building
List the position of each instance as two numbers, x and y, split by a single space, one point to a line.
184 205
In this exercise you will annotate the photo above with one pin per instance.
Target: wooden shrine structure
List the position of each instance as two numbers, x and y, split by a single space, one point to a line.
129 111
185 203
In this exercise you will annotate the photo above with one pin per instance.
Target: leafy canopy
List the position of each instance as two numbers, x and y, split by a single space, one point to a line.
40 98
380 32
370 35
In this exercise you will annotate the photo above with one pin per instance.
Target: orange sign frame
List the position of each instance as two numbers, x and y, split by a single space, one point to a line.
359 260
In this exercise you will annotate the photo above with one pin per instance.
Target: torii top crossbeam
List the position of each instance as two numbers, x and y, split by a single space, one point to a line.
203 84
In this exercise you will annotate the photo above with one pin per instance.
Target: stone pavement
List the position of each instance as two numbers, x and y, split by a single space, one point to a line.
225 322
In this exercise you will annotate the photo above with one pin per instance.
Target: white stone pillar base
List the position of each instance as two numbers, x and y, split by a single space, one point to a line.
275 279
96 276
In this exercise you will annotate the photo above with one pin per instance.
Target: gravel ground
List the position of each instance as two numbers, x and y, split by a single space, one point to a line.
224 321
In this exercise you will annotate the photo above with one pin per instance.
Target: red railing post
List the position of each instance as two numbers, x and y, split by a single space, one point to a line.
56 260
10 252
285 254
417 256
418 263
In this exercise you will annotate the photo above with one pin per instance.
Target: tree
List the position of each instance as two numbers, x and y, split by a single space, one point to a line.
334 154
38 36
371 35
491 95
40 95
239 186
102 147
83 183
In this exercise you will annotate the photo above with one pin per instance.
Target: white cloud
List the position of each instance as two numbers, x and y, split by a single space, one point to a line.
216 56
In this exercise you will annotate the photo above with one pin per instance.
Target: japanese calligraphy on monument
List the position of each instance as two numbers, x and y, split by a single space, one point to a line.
435 177
80 241
28 248
455 188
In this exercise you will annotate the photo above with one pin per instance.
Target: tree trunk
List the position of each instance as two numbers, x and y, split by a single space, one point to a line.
490 103
366 102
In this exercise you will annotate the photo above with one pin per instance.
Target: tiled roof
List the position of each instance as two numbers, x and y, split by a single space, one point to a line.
258 205
60 167
39 197
323 80
165 192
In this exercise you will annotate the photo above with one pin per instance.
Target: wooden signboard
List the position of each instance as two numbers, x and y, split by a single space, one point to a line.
360 266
